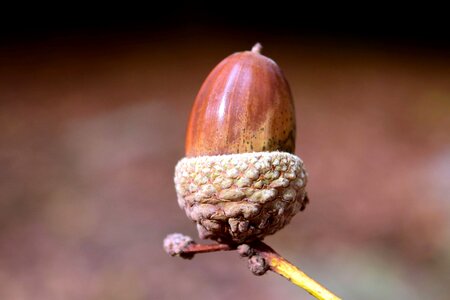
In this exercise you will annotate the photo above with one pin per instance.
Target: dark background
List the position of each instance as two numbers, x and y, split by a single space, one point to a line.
94 102
412 24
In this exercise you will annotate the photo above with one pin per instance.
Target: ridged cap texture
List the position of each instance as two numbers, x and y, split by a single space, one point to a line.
239 198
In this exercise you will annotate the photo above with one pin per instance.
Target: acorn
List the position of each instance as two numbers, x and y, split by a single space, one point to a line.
240 179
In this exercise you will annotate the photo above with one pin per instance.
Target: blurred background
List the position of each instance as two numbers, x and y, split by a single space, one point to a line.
93 113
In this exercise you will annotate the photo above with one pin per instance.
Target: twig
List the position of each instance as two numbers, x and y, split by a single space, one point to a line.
261 258
177 244
278 264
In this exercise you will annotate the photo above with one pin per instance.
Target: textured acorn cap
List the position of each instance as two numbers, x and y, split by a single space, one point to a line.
238 198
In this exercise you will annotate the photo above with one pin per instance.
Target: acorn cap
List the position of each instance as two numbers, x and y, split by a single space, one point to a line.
239 198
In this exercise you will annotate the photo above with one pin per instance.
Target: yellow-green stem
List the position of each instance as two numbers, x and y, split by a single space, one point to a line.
292 273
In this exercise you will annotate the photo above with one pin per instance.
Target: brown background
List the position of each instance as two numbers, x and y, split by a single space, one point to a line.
92 127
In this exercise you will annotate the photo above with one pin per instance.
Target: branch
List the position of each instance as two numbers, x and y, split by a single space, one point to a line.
261 258
177 244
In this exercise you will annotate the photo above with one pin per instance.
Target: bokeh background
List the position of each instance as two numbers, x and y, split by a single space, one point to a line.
93 112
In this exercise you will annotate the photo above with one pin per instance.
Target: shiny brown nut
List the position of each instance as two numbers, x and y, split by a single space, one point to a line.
244 105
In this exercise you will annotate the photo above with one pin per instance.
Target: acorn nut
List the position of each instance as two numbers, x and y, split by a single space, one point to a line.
240 180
